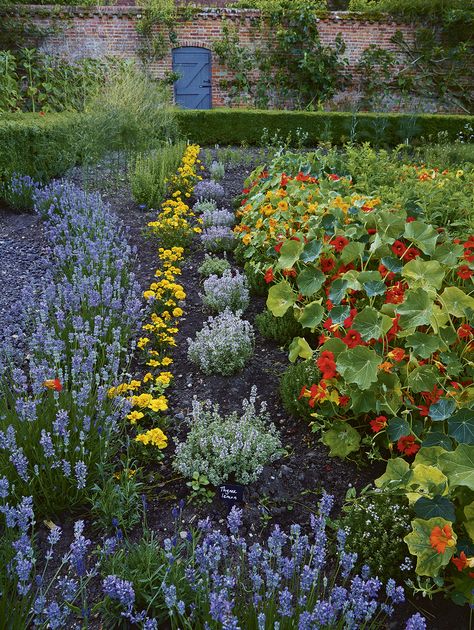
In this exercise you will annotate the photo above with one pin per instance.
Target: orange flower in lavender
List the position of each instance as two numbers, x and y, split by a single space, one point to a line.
54 384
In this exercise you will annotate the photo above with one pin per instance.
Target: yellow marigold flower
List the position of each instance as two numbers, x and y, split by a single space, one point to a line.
197 230
164 378
148 295
153 363
246 239
134 384
158 404
128 471
111 393
134 416
180 295
142 342
155 437
166 361
177 312
148 376
142 401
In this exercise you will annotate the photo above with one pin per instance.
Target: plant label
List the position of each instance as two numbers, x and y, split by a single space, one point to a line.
231 493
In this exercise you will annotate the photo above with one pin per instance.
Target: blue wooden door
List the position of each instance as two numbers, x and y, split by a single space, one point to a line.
193 88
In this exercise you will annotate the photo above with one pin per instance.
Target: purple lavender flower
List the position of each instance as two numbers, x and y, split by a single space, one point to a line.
234 520
119 590
227 291
416 622
208 190
218 239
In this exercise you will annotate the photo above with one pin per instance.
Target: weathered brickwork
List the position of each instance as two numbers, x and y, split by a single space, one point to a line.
102 31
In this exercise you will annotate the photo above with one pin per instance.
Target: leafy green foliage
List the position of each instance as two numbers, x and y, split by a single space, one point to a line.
280 329
213 265
292 381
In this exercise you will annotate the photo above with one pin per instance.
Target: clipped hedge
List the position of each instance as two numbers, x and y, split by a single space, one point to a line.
40 146
234 126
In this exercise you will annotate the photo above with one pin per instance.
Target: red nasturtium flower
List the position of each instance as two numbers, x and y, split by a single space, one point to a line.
398 248
352 339
278 246
411 254
53 383
289 273
465 331
440 538
461 562
464 272
407 445
327 364
378 423
339 243
397 354
268 277
327 264
333 177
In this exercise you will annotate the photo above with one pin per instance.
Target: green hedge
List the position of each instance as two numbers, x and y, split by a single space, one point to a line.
234 126
40 146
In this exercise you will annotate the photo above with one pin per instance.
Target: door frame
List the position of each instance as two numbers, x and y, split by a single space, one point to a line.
203 49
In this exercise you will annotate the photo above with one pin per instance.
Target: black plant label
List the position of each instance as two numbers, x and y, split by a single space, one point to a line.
231 493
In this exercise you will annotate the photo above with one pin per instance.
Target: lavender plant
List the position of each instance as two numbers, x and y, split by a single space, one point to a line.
228 291
234 447
218 239
213 266
223 345
57 420
208 190
218 218
204 206
217 580
19 191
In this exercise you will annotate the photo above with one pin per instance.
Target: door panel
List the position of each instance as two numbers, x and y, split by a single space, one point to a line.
193 88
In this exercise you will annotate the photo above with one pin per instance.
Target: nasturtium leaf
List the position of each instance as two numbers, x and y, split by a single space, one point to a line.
339 314
423 379
311 251
422 235
423 344
461 426
428 455
456 302
280 297
427 508
289 253
310 280
469 522
394 265
352 279
359 365
423 273
426 480
334 345
448 253
397 428
452 363
416 309
299 347
429 561
390 224
388 393
436 438
312 315
337 292
439 319
442 409
352 251
369 276
374 287
329 222
368 322
396 474
458 466
342 439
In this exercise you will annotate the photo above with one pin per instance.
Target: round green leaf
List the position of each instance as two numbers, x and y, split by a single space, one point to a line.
280 297
456 302
429 561
337 291
442 409
342 439
299 347
458 466
423 273
461 426
397 428
437 506
311 251
339 314
352 251
423 378
396 474
436 438
371 324
359 366
423 344
422 235
289 253
310 280
312 315
416 309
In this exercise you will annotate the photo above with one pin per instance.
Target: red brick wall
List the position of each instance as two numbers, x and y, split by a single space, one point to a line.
100 31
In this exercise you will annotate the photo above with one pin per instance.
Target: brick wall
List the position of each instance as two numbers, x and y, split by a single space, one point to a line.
101 31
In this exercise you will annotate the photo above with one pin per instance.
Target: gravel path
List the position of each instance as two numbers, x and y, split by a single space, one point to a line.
23 252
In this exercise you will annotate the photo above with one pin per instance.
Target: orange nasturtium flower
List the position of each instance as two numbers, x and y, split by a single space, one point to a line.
53 383
440 538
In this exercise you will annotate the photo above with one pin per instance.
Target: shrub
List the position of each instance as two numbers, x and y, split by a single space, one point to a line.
228 291
234 447
234 126
292 382
218 239
383 518
217 171
223 346
218 218
116 502
204 206
208 190
255 278
149 173
213 266
280 329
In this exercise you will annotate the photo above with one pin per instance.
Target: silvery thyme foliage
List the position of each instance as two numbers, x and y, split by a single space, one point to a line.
236 446
218 217
218 239
228 291
204 206
217 170
208 189
223 345
213 265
